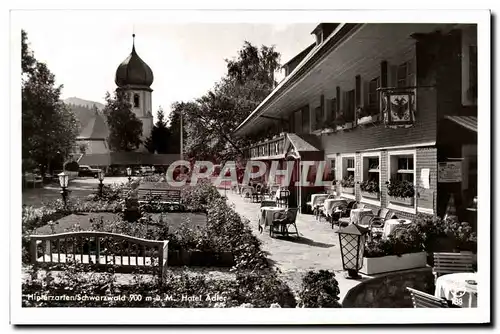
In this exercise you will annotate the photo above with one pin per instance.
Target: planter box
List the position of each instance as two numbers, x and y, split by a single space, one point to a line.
366 194
408 201
376 265
347 190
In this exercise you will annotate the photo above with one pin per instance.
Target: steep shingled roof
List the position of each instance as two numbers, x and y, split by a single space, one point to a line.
95 129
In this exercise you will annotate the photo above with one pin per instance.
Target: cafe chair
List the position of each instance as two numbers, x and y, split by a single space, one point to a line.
282 221
283 196
450 263
378 221
345 215
421 299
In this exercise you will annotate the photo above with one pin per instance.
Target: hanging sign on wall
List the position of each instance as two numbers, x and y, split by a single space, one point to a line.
398 111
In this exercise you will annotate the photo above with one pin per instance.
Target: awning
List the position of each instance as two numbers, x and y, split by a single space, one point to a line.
303 146
468 122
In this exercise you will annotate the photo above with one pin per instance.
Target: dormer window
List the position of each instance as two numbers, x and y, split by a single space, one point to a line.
136 101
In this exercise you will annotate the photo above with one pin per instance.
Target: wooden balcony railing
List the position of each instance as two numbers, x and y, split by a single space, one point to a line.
268 149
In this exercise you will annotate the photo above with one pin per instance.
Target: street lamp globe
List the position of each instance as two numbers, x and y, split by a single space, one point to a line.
352 248
100 175
129 171
63 179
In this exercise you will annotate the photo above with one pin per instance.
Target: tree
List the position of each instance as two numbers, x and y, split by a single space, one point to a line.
149 144
49 127
210 119
125 129
160 134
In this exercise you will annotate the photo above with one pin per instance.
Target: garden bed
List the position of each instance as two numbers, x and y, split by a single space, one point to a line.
200 258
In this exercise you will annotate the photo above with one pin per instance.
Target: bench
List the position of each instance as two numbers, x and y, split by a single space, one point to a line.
99 250
163 196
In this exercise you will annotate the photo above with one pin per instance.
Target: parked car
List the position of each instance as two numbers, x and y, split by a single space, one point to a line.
84 170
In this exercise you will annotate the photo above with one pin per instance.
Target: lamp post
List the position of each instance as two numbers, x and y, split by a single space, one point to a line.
129 173
100 174
63 182
352 247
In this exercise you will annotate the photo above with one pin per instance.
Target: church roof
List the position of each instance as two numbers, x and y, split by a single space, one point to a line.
95 129
133 71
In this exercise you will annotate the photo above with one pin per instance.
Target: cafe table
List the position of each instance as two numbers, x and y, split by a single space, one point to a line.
357 214
391 224
459 288
330 203
267 214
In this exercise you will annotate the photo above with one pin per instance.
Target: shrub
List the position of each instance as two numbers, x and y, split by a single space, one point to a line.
369 186
319 289
400 189
71 166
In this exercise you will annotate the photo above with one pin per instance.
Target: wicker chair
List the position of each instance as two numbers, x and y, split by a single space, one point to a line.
282 221
345 216
424 300
283 195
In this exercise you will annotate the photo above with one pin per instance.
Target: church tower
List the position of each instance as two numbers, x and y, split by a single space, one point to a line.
135 77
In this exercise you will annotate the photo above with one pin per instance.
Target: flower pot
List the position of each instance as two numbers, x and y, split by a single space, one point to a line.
407 201
384 264
366 194
347 190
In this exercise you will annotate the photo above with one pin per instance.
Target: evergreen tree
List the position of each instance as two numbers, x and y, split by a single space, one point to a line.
125 129
160 134
149 144
49 128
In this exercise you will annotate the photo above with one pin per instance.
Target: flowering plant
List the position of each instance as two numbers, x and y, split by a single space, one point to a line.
347 182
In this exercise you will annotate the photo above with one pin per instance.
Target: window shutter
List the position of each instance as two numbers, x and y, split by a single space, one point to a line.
329 110
383 74
338 100
393 75
357 92
366 90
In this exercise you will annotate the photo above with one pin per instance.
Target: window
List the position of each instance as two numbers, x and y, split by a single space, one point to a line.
331 173
370 184
402 187
373 94
347 176
136 100
405 76
405 169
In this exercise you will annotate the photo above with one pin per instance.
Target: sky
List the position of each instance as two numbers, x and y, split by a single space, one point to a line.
84 48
